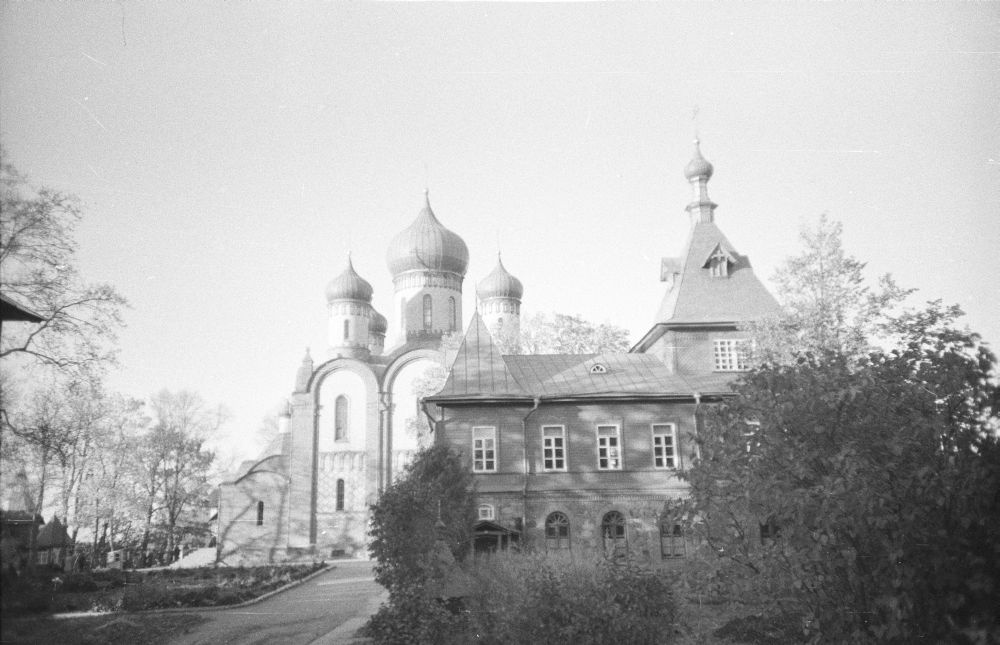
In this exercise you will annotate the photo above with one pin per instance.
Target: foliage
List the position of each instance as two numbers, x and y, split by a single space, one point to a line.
37 269
565 334
879 475
827 305
523 598
435 486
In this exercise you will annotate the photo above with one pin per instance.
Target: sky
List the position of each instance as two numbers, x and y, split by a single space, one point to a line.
228 155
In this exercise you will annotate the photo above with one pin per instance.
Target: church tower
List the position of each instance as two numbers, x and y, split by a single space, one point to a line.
499 296
349 297
428 264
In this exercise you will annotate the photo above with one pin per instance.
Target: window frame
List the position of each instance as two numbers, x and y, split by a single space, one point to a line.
557 522
675 453
489 515
617 448
615 546
484 459
672 540
561 449
730 354
341 492
428 312
342 431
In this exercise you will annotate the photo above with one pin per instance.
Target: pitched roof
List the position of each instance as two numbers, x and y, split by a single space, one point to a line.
567 375
478 370
698 297
53 534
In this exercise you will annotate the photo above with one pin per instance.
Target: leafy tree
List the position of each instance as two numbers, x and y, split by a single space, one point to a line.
565 334
828 307
863 491
173 461
435 486
37 269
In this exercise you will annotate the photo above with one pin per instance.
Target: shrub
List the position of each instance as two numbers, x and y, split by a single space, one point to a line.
527 598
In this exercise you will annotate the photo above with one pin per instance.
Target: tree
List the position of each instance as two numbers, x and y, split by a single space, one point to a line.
863 491
434 487
564 334
173 461
37 269
827 304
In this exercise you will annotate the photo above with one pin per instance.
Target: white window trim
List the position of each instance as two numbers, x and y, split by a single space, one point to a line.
565 452
620 447
673 444
496 452
733 355
490 514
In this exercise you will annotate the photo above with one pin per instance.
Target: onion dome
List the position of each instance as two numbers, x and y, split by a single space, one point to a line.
499 284
349 286
698 167
427 245
378 325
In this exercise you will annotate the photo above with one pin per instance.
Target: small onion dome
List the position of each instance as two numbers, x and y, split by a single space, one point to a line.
379 324
349 286
499 284
427 245
698 167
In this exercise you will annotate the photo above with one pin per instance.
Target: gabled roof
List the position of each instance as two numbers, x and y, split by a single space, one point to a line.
569 375
53 534
698 297
479 371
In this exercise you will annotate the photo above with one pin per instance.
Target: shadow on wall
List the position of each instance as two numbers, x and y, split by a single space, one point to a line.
253 520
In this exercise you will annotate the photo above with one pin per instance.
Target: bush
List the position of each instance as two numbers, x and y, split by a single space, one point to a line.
525 598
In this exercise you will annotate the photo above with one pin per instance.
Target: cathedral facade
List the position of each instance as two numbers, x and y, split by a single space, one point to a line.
569 452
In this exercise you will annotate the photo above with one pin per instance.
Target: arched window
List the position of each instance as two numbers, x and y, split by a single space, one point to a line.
260 513
452 315
671 539
613 532
556 531
347 329
428 312
340 494
341 418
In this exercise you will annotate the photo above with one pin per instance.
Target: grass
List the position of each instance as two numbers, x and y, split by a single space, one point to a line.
113 629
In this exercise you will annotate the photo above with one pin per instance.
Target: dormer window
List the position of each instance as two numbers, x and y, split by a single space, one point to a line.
718 262
598 369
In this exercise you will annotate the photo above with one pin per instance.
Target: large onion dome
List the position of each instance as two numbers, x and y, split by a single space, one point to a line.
698 167
427 245
349 286
379 324
499 284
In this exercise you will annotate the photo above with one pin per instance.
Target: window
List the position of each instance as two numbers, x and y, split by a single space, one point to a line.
613 532
718 263
347 329
260 513
340 494
598 369
731 355
428 312
664 445
671 539
341 418
452 315
556 531
608 448
484 449
485 511
769 531
402 314
553 447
